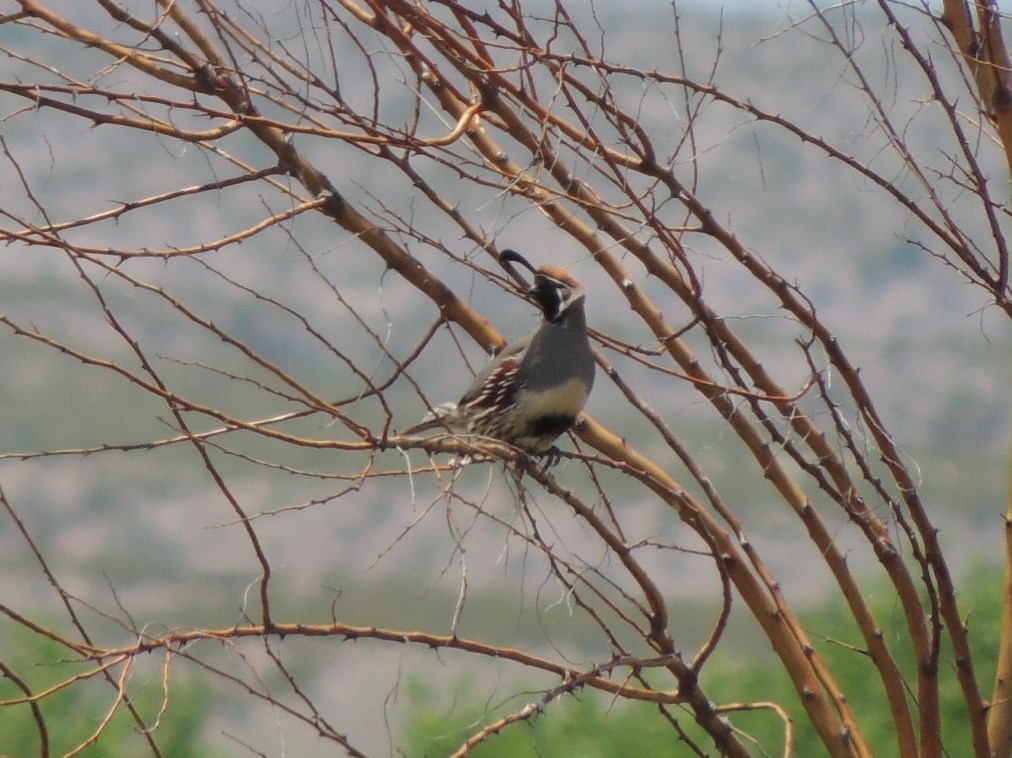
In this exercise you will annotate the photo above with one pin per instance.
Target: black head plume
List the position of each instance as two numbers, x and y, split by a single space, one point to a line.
553 289
508 257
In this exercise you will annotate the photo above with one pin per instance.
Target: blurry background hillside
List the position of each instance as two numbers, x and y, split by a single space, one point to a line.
935 360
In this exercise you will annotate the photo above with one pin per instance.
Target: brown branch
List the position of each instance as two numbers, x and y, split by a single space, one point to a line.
781 627
782 713
32 700
615 202
98 118
998 67
181 638
999 714
133 57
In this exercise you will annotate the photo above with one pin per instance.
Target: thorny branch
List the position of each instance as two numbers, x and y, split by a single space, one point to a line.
351 148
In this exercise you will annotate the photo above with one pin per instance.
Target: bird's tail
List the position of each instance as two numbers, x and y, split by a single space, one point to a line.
441 416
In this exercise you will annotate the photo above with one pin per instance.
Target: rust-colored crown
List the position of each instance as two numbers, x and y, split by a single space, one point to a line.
559 274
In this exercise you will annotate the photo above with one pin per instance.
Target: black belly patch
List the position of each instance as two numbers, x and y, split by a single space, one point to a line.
550 426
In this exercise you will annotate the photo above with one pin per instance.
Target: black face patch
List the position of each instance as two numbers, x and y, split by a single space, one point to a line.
550 425
550 296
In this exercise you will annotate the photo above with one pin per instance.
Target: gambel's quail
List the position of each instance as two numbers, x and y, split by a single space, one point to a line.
536 387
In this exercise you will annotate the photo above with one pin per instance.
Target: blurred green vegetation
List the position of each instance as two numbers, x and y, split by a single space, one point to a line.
73 714
438 718
592 725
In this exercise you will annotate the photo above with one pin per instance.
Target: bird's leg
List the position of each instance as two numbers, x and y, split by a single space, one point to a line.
551 458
